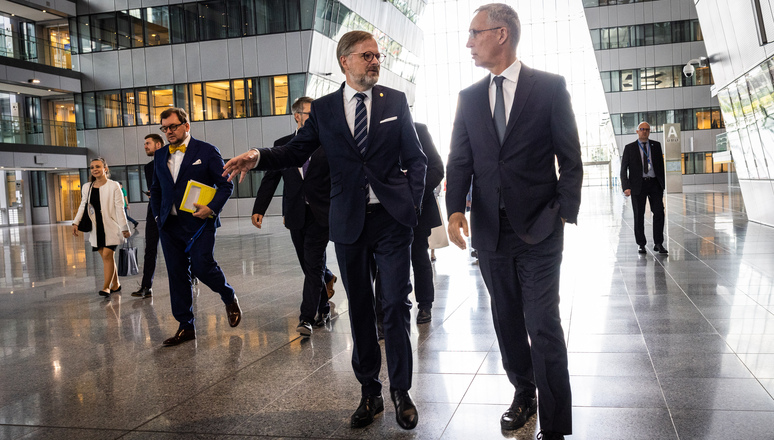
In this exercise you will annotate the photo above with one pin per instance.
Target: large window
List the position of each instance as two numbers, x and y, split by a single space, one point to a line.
157 26
227 99
689 119
653 78
646 34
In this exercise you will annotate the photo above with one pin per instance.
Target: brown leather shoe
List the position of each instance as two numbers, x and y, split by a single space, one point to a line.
234 313
181 336
521 409
329 286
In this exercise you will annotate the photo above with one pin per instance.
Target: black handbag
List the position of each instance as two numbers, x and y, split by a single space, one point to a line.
85 225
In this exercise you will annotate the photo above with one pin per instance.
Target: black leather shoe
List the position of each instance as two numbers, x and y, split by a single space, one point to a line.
304 328
642 250
329 287
660 249
369 407
181 336
103 293
234 313
322 319
405 410
116 290
424 316
549 435
143 292
521 409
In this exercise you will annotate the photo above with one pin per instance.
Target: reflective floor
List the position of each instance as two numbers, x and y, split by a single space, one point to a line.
661 347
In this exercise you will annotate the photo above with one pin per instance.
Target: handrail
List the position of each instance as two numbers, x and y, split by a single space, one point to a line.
36 50
15 130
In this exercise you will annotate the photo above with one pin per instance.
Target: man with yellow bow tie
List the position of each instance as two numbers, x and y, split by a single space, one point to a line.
188 239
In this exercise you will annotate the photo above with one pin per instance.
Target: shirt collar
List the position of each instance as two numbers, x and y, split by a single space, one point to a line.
349 92
511 73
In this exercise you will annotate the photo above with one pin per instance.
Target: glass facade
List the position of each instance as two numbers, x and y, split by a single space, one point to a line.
747 105
706 118
207 101
651 78
189 22
554 38
619 37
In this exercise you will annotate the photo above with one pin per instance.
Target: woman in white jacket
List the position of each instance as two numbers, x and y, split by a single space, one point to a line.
105 203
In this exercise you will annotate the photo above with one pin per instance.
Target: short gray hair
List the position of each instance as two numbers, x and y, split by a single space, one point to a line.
298 105
503 15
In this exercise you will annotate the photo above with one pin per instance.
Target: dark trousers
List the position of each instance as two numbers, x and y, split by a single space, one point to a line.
199 261
151 252
523 283
310 243
654 194
388 243
129 219
423 269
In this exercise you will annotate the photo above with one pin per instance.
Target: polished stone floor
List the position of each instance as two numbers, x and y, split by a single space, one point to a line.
661 347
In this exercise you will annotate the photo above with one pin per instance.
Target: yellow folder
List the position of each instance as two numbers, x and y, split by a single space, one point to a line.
196 192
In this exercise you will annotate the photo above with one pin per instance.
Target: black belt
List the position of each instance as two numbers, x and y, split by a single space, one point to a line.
373 207
648 178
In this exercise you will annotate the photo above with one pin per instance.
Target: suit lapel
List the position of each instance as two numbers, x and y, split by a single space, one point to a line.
483 107
164 170
190 155
523 89
341 124
378 100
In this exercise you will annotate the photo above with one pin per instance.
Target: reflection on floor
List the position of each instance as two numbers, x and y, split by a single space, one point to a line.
661 347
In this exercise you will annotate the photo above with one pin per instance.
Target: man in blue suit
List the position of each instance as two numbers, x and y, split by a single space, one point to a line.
510 130
368 135
188 240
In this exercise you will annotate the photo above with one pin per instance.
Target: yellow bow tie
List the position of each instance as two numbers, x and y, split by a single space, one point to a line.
175 148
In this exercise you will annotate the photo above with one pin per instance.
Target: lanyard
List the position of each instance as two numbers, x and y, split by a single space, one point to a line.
644 151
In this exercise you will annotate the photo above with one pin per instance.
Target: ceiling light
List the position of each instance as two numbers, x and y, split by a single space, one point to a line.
33 81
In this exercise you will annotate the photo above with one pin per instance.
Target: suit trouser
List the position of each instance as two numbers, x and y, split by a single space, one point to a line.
310 243
199 261
523 282
151 252
423 269
388 243
652 192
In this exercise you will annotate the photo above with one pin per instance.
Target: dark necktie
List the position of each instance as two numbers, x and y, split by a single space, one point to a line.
305 167
499 109
361 133
645 168
361 123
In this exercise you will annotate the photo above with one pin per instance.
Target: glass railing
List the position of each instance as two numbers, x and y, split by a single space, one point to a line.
41 132
36 50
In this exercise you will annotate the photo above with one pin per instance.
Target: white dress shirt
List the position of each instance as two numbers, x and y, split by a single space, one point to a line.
350 102
511 75
174 162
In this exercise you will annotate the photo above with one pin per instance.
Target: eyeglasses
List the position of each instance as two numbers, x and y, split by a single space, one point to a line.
368 56
171 127
644 129
304 113
473 33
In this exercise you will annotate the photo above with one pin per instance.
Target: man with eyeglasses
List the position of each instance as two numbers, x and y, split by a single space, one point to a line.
509 131
188 239
643 178
305 204
368 135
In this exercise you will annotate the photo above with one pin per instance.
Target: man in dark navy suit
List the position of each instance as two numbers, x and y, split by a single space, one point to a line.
510 130
305 204
368 135
188 239
643 178
152 143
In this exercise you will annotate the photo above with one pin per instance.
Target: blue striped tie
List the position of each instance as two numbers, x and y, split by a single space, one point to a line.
361 123
361 133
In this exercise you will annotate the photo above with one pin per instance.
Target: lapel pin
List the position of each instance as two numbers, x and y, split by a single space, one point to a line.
382 95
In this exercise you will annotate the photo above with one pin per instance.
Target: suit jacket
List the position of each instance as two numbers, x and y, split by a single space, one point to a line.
315 188
541 130
631 166
430 216
202 162
148 167
392 146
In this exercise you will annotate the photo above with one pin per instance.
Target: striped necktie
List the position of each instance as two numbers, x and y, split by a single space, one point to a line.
361 123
